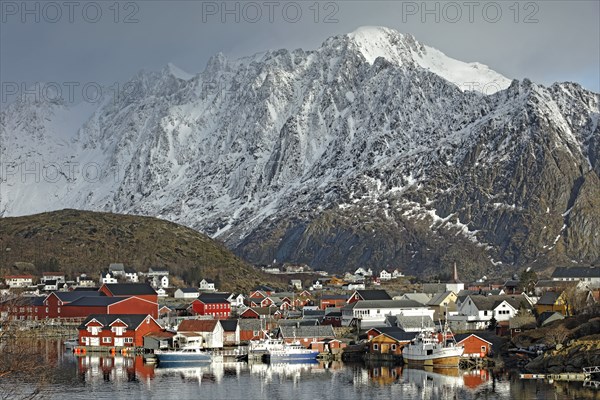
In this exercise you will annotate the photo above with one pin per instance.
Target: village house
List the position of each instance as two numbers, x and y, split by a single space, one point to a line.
397 274
208 333
186 293
333 318
477 311
207 285
390 343
375 294
475 346
236 300
443 303
252 329
141 290
18 281
421 298
116 269
371 313
261 313
332 300
86 305
84 282
363 272
305 334
57 277
296 284
231 332
117 330
131 275
316 285
107 277
385 276
213 304
332 346
552 301
589 275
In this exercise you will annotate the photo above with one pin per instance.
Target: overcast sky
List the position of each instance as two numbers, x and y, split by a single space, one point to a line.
546 41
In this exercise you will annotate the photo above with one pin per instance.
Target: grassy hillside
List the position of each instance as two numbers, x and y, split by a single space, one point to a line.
75 242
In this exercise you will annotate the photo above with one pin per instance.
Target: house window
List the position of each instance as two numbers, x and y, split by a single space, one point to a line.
483 349
375 346
128 340
393 347
106 340
46 309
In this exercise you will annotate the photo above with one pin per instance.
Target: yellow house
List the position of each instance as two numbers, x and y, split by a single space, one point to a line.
441 303
553 301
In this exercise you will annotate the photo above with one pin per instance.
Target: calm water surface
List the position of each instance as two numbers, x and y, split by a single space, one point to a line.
119 377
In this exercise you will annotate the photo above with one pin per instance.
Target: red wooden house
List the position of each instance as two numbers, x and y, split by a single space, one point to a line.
475 347
85 306
141 290
219 308
117 330
261 313
333 300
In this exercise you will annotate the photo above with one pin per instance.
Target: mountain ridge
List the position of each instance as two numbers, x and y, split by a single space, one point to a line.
266 152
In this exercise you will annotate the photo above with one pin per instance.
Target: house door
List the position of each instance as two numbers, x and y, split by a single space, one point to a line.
94 341
385 348
119 342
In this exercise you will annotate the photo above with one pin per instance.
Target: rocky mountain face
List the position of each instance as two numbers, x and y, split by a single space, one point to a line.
373 150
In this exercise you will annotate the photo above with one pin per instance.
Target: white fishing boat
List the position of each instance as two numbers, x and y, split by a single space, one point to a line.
187 354
438 350
291 352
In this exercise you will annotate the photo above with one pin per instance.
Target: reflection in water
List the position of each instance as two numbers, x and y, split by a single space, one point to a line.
102 376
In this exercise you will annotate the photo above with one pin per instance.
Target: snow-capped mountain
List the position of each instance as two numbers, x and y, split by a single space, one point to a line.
372 150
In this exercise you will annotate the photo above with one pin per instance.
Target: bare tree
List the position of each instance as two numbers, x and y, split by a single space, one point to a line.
557 335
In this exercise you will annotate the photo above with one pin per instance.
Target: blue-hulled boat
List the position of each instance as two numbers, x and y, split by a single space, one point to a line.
182 356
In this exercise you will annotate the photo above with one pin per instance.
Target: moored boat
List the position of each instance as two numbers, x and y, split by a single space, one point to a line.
287 352
430 349
191 354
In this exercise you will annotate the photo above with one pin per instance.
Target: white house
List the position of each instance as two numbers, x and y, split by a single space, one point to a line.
14 281
116 269
206 332
58 277
476 311
385 276
236 300
131 275
207 285
296 284
317 285
589 275
161 292
373 312
363 272
187 293
84 281
107 277
160 281
397 274
157 272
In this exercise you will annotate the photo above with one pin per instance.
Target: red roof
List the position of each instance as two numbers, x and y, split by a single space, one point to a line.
197 325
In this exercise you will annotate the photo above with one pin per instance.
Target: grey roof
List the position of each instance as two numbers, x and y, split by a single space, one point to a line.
229 325
511 283
401 336
334 314
67 297
422 298
576 272
300 322
491 302
97 301
433 288
374 294
386 304
250 324
131 320
213 300
307 331
129 289
413 322
550 316
313 313
189 290
548 298
439 298
215 295
116 267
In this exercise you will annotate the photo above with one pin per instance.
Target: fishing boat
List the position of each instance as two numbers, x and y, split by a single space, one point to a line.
187 354
438 350
290 352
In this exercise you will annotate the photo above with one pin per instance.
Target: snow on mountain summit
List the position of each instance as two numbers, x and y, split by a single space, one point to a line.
374 42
